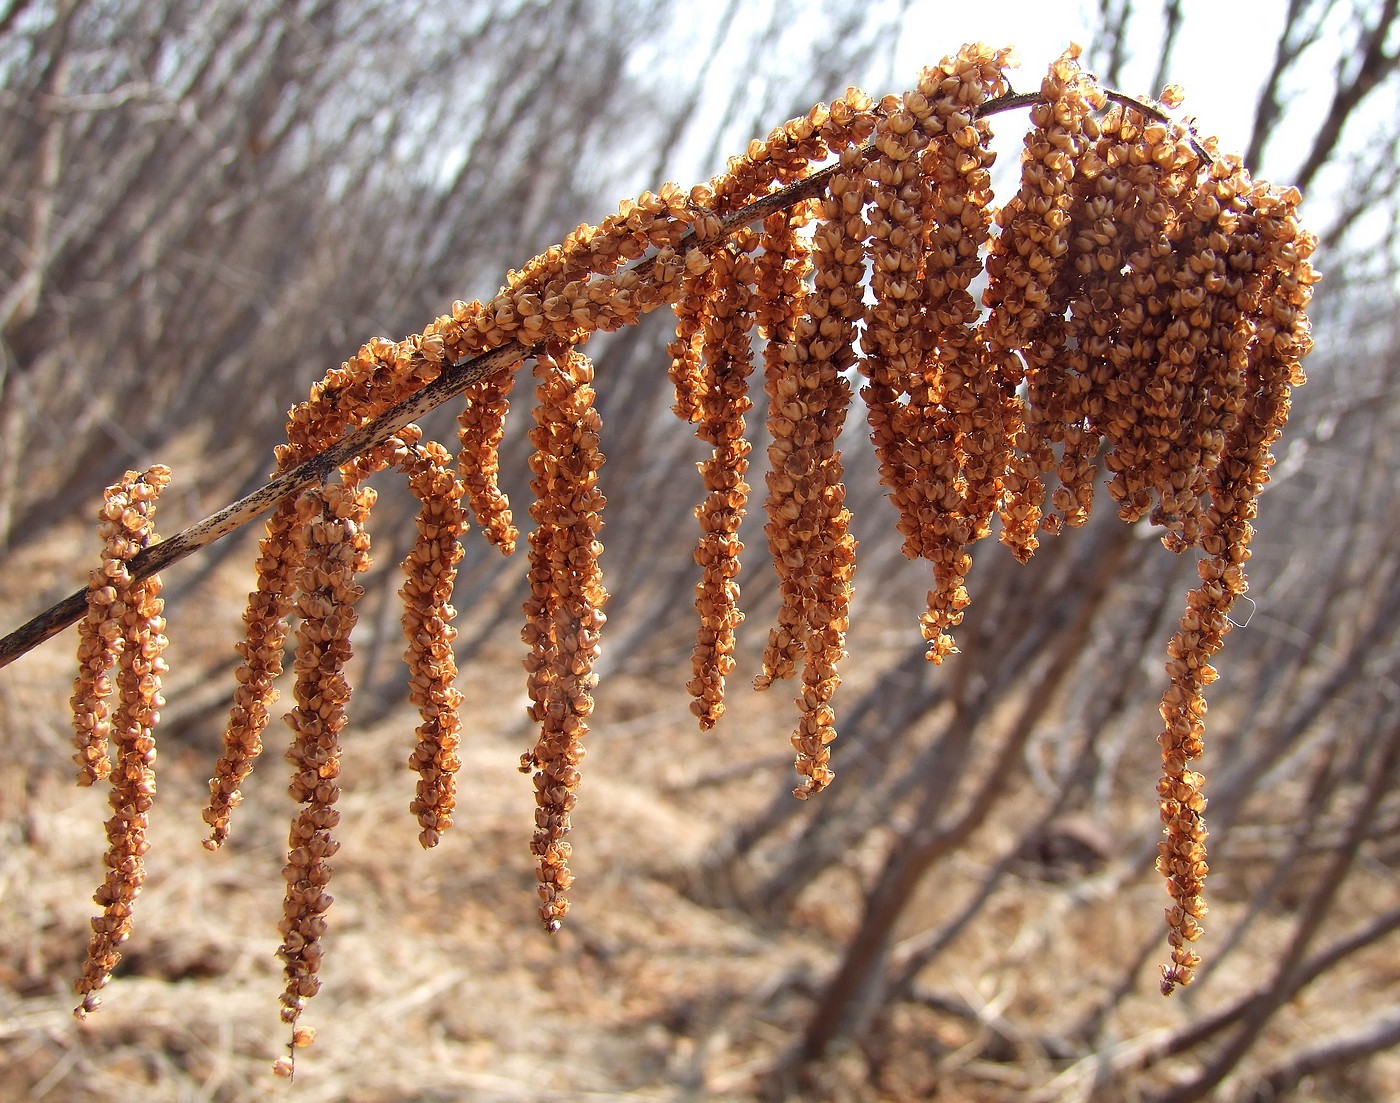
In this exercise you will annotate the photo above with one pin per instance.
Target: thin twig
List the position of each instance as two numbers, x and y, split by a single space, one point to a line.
454 379
232 517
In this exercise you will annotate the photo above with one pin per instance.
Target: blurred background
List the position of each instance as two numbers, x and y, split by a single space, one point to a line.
203 205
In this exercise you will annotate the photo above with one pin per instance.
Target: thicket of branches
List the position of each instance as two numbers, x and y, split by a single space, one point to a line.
204 252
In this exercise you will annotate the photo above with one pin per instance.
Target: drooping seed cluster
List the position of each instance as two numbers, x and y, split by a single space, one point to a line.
429 572
430 569
124 628
780 285
809 339
808 524
1144 320
334 549
482 425
1261 294
938 405
1028 293
723 400
564 612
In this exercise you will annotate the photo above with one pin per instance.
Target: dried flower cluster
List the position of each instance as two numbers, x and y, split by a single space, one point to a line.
123 629
1145 314
564 612
333 548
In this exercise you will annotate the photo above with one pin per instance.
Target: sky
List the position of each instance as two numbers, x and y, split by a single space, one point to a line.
1224 50
1223 53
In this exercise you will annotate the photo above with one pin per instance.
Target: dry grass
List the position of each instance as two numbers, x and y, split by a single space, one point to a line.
438 981
439 984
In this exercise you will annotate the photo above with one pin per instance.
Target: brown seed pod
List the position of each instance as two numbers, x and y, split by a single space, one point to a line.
429 572
939 415
808 524
262 648
482 425
1271 337
1031 280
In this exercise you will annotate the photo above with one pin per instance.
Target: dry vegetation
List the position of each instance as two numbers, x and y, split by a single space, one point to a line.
967 910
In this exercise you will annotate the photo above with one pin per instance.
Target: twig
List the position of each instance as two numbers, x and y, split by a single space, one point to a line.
454 378
232 517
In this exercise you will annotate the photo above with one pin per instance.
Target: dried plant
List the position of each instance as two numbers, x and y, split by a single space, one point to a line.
123 628
1145 313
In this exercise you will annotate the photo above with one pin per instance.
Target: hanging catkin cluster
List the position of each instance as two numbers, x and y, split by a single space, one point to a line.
1144 315
123 633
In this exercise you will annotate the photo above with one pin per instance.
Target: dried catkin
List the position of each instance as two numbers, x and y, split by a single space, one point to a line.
262 649
481 426
728 362
807 406
938 412
1269 340
809 527
334 549
429 572
687 377
126 618
564 612
1159 167
430 569
780 272
808 399
1030 281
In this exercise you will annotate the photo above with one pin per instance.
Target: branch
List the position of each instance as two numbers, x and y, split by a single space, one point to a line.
233 517
1382 1032
454 379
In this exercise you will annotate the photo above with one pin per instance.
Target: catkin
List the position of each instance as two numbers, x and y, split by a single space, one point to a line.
125 617
1030 282
481 427
1269 339
728 361
429 572
565 609
809 526
937 409
334 549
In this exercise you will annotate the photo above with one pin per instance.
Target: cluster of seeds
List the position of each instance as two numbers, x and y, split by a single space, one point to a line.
1145 314
564 612
333 549
123 629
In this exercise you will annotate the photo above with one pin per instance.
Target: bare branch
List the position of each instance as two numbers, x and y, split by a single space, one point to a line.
1376 66
1382 1032
1292 41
